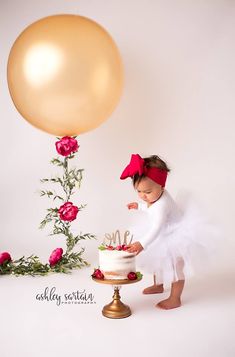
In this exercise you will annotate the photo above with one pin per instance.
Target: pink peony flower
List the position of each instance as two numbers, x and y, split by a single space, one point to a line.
4 257
55 256
68 212
66 146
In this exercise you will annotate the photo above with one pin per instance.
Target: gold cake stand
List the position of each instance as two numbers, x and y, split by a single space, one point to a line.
116 309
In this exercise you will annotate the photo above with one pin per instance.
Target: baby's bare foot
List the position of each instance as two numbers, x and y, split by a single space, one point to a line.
154 289
170 303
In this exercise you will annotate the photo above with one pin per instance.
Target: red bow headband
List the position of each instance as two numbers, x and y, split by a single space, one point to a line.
137 166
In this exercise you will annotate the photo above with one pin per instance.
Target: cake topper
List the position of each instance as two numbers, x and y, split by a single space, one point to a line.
114 238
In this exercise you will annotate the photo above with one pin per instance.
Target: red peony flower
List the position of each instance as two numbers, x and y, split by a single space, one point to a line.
132 276
66 146
68 212
98 274
55 256
4 257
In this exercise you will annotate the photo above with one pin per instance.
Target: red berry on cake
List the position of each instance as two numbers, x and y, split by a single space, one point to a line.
119 247
124 247
110 247
132 276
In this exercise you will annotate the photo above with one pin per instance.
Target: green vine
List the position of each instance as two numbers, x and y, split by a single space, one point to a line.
61 219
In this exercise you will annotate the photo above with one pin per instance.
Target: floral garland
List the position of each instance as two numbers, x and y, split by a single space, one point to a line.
59 261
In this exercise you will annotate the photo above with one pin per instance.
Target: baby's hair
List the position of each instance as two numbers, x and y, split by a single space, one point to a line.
151 161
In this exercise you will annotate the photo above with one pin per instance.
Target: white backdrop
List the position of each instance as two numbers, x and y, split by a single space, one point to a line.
177 103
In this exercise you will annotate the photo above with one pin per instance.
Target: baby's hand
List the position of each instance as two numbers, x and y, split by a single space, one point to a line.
135 247
132 205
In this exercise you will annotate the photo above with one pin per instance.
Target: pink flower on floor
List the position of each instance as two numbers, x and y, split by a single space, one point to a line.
4 257
66 146
68 212
55 256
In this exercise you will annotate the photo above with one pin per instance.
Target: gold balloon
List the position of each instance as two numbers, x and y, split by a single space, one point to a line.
65 74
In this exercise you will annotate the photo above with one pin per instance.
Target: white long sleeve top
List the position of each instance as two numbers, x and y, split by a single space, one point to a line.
161 213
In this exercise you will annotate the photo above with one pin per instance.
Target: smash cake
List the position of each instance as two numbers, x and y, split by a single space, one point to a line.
115 262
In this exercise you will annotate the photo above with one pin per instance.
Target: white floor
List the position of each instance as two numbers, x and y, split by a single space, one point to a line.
204 326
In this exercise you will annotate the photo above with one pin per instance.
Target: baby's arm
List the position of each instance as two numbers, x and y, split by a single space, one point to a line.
159 219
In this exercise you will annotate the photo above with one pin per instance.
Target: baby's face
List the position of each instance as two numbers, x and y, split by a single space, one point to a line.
148 190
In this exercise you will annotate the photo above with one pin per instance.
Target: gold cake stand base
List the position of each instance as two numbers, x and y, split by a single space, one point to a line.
116 309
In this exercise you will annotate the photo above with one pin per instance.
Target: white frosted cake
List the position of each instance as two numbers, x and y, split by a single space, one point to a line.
116 264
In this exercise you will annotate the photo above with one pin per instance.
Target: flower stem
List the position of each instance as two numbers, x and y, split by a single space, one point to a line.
66 188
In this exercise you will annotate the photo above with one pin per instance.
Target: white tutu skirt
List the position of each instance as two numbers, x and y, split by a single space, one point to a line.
181 248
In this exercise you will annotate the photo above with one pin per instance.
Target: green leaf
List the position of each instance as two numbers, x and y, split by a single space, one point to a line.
139 275
56 161
59 197
46 193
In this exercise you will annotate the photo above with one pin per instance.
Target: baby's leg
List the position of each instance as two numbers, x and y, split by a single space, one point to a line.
177 287
155 288
174 299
